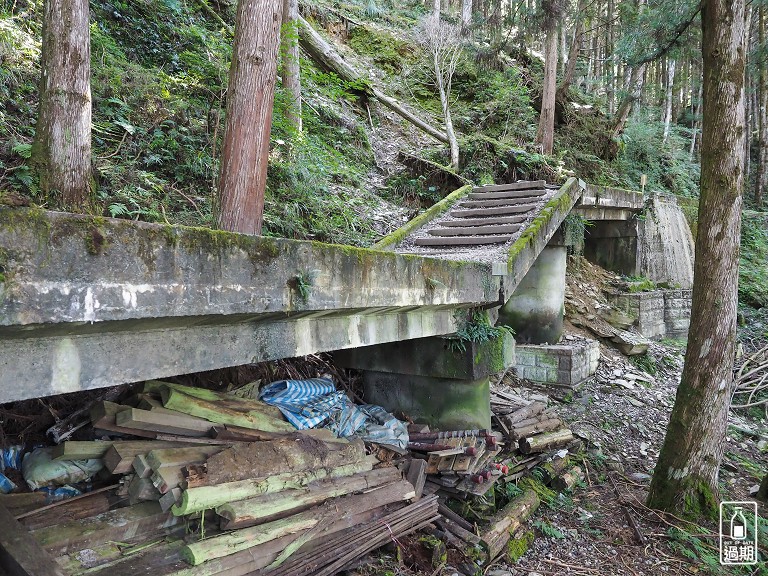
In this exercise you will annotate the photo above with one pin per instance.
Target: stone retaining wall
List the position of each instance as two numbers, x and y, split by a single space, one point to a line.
559 365
658 313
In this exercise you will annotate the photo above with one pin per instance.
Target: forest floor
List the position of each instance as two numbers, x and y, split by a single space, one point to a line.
603 526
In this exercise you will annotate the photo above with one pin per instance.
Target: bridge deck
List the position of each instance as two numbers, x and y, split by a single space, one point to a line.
91 302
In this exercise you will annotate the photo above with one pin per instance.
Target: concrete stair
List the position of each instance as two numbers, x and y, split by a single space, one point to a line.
490 215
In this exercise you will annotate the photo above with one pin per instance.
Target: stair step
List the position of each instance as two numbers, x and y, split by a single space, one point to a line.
475 230
513 194
511 186
496 211
489 203
462 240
484 221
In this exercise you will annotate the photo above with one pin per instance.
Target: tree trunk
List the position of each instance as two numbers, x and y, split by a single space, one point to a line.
453 143
545 135
668 100
322 53
250 97
573 53
466 16
62 147
636 82
761 182
685 477
291 69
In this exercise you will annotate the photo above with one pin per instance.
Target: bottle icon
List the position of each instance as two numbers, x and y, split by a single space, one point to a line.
738 525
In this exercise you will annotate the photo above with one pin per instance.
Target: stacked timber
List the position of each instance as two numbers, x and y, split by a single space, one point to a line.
203 483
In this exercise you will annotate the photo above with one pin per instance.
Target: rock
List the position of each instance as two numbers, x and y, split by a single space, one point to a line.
624 384
644 448
635 402
616 466
618 372
754 489
640 477
762 445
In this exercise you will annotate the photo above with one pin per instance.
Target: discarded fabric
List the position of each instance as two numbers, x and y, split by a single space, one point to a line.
316 402
40 470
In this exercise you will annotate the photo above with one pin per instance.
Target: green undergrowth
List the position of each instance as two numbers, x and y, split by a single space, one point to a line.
753 271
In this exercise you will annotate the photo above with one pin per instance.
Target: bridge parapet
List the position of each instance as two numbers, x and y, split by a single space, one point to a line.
605 203
91 302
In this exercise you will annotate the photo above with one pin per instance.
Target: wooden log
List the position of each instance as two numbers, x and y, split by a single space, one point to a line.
80 450
20 553
449 514
220 398
160 559
335 555
238 540
181 456
553 469
141 490
163 423
568 480
469 538
74 421
544 442
547 425
322 53
22 502
170 499
128 524
141 467
256 558
524 413
167 478
103 418
270 507
508 520
204 497
119 458
83 506
524 185
297 453
417 475
175 400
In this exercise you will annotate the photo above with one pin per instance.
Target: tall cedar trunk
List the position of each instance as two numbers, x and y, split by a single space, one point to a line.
610 62
290 58
668 102
573 53
685 477
696 121
634 92
251 94
545 135
466 16
62 147
761 182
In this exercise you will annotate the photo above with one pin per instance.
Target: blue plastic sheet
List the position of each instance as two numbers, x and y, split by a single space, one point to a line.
316 403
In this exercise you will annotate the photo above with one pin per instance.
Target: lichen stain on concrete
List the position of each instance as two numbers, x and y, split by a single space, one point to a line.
65 371
91 304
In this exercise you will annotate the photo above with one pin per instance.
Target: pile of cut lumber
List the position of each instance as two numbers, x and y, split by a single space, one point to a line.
214 484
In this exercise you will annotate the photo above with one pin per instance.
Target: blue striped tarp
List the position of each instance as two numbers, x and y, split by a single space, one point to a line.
316 402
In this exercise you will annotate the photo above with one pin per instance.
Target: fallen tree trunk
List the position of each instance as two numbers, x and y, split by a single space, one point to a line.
508 520
324 54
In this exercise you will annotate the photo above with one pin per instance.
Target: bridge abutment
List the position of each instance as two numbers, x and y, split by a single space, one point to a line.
535 310
433 380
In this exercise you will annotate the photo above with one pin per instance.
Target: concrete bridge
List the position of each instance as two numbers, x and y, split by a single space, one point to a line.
90 302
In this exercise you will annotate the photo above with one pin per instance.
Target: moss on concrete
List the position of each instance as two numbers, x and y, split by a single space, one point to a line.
427 216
